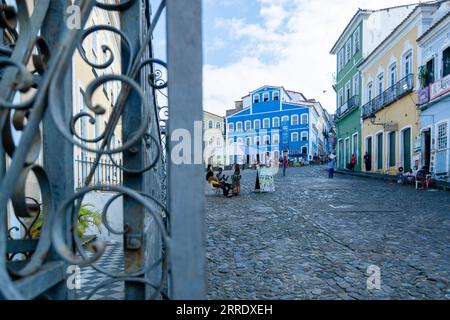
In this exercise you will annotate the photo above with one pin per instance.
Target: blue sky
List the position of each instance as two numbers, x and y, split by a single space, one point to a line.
251 43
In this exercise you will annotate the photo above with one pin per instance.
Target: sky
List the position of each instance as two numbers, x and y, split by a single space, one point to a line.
252 43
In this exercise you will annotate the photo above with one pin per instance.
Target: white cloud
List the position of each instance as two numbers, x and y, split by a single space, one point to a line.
298 35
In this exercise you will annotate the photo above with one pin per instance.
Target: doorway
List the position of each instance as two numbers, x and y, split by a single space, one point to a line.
369 152
427 148
407 149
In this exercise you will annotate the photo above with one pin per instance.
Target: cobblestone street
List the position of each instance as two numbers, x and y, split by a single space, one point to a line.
314 238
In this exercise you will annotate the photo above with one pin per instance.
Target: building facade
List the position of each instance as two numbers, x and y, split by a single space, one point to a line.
87 128
273 121
362 35
390 118
434 95
214 139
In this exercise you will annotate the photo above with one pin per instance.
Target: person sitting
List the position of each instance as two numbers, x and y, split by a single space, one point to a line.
422 178
209 172
410 177
222 179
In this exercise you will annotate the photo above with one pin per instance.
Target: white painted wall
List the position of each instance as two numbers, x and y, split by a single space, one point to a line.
115 214
379 25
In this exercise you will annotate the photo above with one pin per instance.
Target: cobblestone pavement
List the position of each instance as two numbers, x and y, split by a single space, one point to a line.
315 239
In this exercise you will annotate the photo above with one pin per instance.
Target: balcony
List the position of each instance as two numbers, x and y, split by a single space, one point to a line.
347 107
392 94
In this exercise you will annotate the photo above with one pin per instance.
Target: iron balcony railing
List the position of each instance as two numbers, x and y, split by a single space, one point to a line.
392 94
349 106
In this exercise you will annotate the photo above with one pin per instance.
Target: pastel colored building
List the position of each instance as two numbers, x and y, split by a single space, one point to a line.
214 130
365 31
434 96
390 118
271 121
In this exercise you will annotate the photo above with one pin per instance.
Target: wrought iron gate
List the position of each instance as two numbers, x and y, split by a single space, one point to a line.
162 200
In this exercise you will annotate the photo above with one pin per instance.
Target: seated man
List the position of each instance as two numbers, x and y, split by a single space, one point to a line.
422 177
217 182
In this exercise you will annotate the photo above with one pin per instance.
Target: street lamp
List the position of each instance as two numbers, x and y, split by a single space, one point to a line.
373 118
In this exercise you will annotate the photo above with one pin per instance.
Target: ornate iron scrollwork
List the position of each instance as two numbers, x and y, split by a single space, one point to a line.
33 71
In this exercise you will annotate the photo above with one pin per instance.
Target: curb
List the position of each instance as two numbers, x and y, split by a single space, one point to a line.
439 185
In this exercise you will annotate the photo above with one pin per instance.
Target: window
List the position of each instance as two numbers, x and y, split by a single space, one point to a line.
304 119
407 63
256 98
257 140
219 142
257 124
218 125
276 139
340 62
304 136
231 127
266 140
210 124
230 141
392 75
369 91
285 119
392 149
348 51
341 97
304 150
266 123
211 142
442 139
380 83
430 70
347 92
276 96
265 97
239 126
356 84
446 62
276 122
356 40
248 141
341 59
294 120
248 125
294 137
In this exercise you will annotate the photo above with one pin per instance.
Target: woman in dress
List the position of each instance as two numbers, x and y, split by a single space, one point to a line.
236 178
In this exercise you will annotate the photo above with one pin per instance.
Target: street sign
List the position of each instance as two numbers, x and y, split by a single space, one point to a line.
264 180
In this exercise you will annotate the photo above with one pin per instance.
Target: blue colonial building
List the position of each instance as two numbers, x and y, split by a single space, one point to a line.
271 121
434 96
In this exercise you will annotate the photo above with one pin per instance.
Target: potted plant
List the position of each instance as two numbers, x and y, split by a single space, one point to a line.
87 217
424 76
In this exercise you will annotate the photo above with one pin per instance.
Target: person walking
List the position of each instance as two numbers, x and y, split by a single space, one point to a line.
330 169
285 165
353 163
367 162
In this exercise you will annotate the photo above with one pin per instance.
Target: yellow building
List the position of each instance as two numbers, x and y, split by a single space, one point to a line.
213 126
390 118
105 96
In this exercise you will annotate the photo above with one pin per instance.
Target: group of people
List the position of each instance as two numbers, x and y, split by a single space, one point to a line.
221 181
421 176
